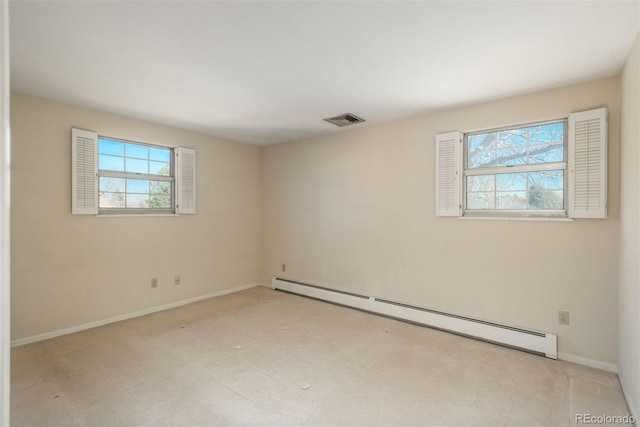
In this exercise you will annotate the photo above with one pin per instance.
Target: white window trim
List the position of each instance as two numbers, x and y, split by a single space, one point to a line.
85 167
515 218
128 175
596 183
522 214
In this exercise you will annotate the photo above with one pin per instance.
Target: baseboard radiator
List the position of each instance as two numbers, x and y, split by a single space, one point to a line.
522 339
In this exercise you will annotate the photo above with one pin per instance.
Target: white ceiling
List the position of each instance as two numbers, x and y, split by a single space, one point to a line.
265 72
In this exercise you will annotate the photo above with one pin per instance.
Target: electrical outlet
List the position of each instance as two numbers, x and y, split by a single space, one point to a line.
176 280
154 282
284 267
563 317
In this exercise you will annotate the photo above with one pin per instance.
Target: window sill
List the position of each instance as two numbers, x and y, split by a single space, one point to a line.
514 218
131 215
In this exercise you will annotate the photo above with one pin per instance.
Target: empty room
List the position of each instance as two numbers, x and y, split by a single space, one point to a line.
322 213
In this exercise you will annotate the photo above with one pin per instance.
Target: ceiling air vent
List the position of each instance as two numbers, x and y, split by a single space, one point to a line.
344 120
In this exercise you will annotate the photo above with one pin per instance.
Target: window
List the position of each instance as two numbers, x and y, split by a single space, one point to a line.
516 170
114 176
134 177
546 170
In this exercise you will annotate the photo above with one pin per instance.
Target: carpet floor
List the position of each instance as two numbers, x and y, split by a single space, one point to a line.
262 357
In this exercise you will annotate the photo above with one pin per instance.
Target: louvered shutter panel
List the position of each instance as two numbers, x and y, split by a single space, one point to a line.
588 164
186 176
84 172
448 174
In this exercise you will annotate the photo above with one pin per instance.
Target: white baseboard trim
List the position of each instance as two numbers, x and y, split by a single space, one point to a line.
610 367
90 325
630 404
47 335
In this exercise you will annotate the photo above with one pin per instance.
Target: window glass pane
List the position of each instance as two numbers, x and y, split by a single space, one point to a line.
546 153
111 200
545 134
547 143
137 186
137 166
511 156
161 194
160 201
111 163
512 200
481 200
159 168
539 199
520 146
160 154
108 146
481 150
160 187
517 191
546 190
137 200
481 159
512 138
483 141
481 183
511 181
114 185
546 180
137 151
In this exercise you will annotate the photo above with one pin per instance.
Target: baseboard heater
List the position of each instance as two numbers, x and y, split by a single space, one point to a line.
522 339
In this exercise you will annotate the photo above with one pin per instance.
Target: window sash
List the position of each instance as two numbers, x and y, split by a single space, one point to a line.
517 212
465 153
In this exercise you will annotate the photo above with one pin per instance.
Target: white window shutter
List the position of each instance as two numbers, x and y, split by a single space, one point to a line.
448 174
84 172
588 164
186 180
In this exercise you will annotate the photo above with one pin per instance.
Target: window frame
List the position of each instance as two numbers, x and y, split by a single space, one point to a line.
497 170
133 175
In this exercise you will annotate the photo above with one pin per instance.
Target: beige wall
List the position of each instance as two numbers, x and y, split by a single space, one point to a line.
355 210
68 270
629 305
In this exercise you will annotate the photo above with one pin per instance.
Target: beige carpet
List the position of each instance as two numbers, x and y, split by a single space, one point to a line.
262 357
